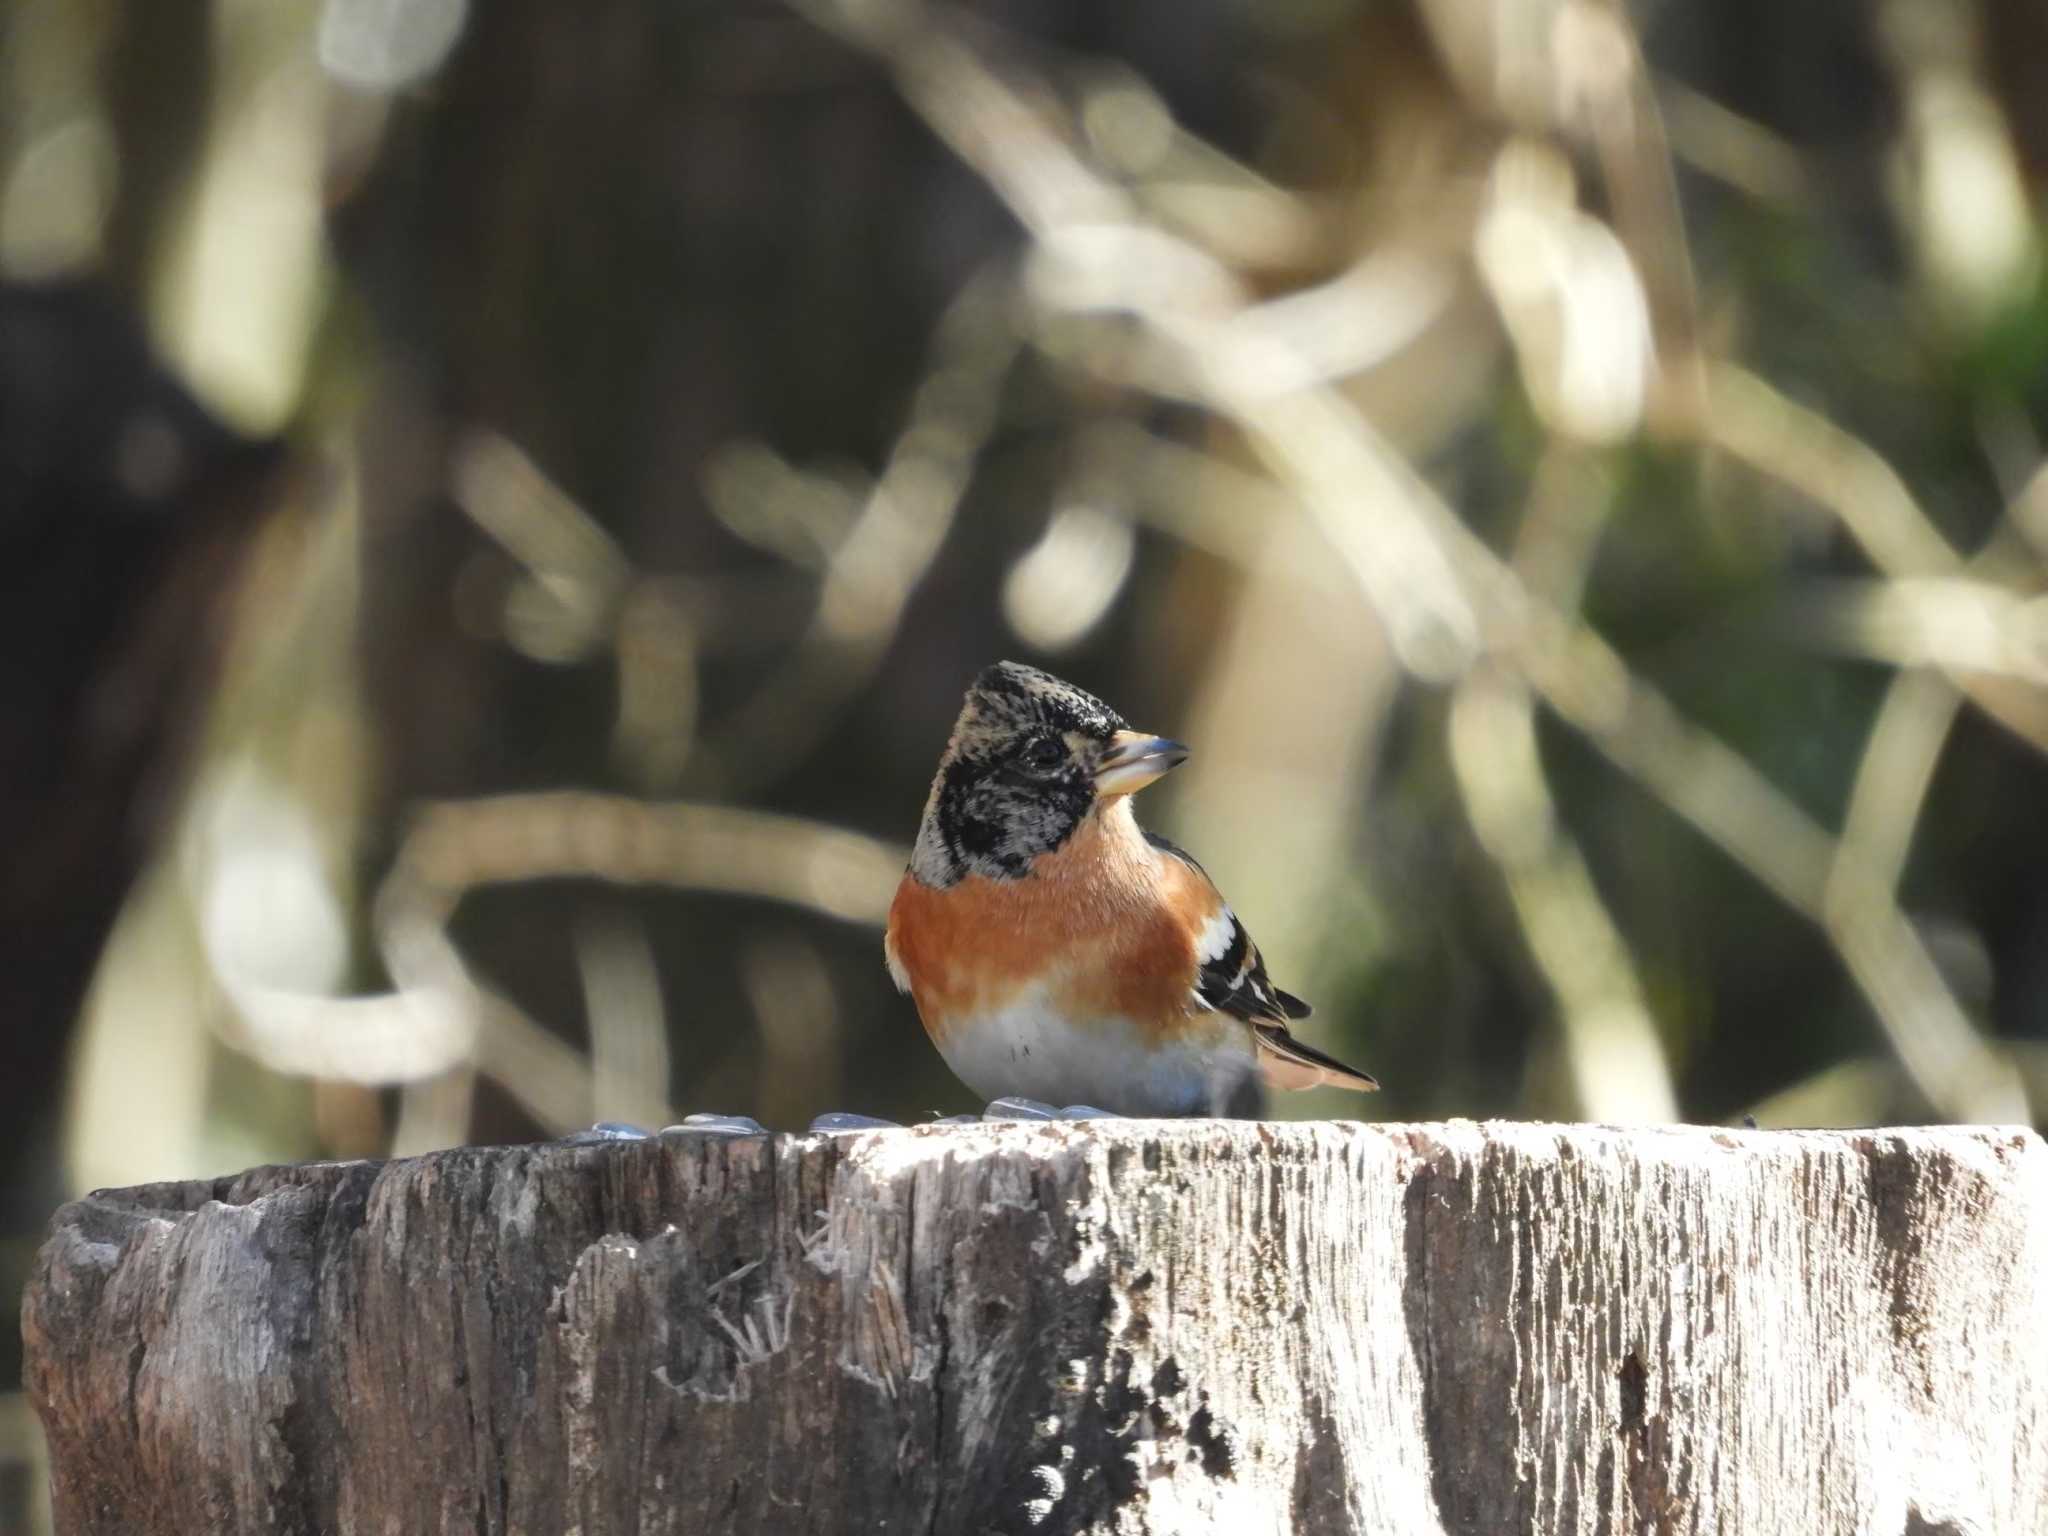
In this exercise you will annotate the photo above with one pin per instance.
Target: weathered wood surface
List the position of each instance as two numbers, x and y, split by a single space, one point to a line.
1127 1326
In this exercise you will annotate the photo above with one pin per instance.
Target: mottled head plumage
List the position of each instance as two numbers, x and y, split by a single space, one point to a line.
1018 775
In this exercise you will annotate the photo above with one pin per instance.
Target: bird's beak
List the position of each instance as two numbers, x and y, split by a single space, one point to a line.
1135 760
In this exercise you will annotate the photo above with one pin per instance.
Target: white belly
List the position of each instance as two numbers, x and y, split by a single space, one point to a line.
1026 1049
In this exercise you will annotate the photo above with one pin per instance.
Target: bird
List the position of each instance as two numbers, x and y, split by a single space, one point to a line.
1062 958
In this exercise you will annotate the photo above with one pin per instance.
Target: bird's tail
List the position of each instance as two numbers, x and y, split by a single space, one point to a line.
1286 1062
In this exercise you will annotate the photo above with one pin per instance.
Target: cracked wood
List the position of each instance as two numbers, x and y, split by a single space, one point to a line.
1124 1327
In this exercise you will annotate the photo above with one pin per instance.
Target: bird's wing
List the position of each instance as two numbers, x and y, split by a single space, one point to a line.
1231 978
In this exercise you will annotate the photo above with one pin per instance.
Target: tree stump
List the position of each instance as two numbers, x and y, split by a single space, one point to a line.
1113 1326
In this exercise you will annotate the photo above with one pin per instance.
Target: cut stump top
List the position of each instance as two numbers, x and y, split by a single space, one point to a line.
1119 1326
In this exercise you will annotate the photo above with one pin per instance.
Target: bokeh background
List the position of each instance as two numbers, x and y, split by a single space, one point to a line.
498 505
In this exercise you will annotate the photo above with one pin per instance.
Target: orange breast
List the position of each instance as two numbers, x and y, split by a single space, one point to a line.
1105 923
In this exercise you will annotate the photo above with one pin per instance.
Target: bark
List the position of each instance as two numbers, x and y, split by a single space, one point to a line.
1130 1327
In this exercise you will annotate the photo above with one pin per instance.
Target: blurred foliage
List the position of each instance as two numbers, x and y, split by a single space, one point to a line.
1575 473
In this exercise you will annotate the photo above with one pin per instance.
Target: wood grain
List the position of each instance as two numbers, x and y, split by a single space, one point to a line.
1124 1326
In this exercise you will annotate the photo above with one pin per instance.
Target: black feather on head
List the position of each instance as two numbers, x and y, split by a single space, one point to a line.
1017 776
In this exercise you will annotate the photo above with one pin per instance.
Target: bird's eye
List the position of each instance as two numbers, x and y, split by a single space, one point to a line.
1042 752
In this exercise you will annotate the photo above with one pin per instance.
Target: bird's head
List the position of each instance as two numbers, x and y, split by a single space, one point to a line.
1029 760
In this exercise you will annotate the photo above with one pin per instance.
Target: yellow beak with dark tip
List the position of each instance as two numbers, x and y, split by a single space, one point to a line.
1135 760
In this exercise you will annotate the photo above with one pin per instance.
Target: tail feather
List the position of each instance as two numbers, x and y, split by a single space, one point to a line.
1289 1063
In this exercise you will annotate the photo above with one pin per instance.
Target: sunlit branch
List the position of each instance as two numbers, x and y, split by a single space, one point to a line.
459 845
628 1027
1616 1059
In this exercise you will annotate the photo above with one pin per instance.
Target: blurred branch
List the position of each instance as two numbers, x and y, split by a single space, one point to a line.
1892 780
551 1080
458 846
886 551
1711 786
1094 251
1574 72
1954 623
797 1019
1933 1036
1863 1088
579 591
1759 426
1339 469
1732 148
628 1028
2029 515
1617 1061
1431 581
577 574
1620 109
434 1112
441 1023
1842 1093
1960 182
400 1037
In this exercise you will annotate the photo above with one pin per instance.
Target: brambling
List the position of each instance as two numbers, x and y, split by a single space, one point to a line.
1059 953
